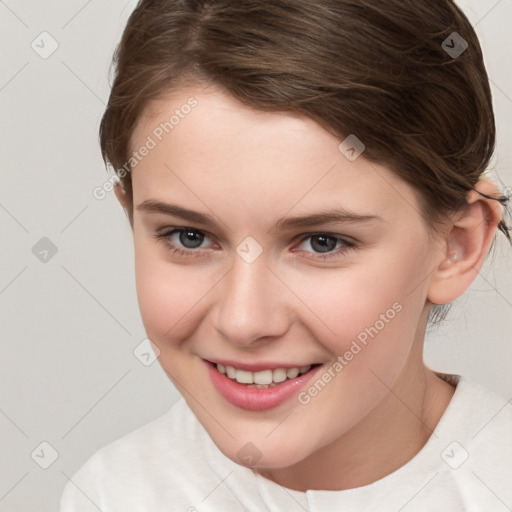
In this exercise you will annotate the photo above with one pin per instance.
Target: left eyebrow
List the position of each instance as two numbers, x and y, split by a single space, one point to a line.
324 217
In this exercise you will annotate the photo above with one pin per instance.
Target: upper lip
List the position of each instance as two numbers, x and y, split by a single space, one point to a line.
256 366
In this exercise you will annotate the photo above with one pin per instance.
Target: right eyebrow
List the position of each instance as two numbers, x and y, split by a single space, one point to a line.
153 206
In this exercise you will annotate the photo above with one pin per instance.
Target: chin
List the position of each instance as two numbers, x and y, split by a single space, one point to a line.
264 454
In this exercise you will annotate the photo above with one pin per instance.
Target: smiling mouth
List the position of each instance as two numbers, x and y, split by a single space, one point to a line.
265 378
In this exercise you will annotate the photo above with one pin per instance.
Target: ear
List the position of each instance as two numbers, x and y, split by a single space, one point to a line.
466 244
123 200
120 194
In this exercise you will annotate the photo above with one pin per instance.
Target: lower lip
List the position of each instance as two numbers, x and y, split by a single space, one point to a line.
257 399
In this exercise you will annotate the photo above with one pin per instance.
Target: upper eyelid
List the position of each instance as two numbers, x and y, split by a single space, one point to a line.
172 229
177 229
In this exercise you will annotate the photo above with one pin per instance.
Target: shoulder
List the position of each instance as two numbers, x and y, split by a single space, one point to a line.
477 415
162 439
484 411
489 417
160 461
476 443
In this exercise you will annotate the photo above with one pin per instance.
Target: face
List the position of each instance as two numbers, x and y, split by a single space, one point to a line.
262 248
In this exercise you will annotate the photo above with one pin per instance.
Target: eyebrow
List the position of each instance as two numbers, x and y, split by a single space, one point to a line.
315 219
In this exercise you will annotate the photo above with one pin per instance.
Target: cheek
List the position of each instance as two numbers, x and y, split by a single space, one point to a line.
359 303
168 296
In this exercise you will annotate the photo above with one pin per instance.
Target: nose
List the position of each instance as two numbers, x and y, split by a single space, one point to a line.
252 304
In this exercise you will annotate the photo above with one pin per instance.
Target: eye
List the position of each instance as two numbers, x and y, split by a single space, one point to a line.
325 245
183 240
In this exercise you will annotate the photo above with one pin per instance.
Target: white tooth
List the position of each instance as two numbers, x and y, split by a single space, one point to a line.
291 373
221 368
279 375
304 369
231 372
263 377
243 377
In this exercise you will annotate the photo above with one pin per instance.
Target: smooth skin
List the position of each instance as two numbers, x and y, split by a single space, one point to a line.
248 169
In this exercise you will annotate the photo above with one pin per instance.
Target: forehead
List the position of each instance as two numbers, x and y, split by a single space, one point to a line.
208 147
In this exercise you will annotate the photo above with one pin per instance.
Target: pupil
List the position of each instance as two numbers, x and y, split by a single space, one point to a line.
191 239
321 243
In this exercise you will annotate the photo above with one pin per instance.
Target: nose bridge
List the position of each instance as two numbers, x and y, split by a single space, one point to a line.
249 307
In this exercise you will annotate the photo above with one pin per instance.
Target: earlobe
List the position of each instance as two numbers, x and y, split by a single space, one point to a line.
466 245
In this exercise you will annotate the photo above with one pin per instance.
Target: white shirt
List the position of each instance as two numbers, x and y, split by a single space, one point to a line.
171 464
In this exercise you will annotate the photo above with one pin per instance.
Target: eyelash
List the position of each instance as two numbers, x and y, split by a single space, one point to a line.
194 253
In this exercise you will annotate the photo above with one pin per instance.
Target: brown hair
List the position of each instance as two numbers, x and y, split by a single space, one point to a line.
379 70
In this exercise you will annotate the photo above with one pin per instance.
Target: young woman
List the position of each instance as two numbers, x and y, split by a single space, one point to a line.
305 185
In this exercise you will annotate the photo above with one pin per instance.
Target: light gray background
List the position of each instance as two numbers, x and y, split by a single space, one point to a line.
69 325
